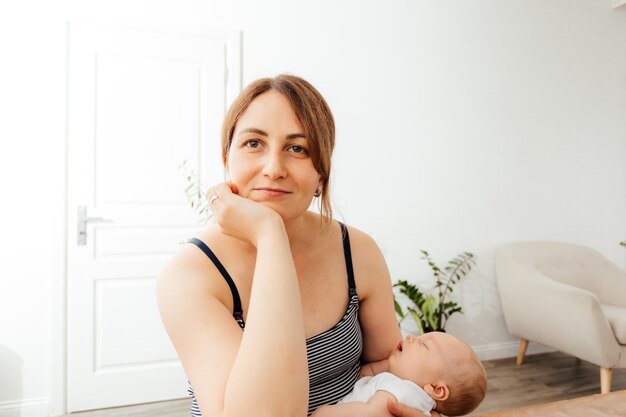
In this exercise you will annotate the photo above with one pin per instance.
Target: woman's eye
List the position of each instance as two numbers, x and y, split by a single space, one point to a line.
252 143
298 149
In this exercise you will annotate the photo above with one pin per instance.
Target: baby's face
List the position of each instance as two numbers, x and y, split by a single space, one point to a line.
428 358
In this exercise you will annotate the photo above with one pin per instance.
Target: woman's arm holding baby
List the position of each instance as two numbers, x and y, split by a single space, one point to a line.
375 407
401 410
382 404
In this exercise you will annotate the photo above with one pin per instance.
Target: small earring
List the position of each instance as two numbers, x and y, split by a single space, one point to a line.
318 192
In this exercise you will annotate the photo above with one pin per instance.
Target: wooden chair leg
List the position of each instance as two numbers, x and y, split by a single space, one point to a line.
606 375
523 344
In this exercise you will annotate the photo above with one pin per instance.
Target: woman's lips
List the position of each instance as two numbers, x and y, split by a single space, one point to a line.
272 192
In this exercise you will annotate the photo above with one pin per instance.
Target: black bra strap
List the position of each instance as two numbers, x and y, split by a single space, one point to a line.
237 310
347 253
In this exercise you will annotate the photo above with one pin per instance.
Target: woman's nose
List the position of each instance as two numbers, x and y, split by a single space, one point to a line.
274 166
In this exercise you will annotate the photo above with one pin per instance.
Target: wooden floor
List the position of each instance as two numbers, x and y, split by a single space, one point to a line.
543 378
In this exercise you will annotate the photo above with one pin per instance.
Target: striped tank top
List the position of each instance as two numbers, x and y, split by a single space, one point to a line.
333 356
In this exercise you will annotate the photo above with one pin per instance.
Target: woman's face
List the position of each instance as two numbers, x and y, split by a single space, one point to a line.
269 158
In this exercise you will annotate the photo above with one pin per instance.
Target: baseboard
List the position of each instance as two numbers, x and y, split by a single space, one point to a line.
34 407
507 350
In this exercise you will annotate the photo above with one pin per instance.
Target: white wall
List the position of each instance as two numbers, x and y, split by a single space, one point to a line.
32 123
461 125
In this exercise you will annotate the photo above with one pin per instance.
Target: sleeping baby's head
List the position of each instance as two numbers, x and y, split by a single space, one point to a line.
445 367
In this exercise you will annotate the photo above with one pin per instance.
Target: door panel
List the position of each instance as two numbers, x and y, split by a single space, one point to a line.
140 103
126 137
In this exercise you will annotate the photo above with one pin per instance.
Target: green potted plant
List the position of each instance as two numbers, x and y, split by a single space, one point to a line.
431 310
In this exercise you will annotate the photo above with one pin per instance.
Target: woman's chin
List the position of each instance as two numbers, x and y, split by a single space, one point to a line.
288 214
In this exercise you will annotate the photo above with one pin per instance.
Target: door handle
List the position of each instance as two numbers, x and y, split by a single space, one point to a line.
81 238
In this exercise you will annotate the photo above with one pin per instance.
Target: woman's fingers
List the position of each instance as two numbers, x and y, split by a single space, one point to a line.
401 410
237 216
396 408
233 187
218 191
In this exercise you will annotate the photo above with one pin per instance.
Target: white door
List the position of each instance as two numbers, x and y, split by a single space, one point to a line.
140 102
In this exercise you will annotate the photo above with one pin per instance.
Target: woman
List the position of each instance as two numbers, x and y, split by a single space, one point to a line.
314 297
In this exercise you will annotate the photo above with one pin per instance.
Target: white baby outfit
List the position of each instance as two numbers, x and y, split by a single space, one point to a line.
405 391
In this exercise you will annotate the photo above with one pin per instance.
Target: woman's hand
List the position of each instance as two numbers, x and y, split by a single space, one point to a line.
240 217
402 410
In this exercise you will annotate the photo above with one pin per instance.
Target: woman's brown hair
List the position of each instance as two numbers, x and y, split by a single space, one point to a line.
313 114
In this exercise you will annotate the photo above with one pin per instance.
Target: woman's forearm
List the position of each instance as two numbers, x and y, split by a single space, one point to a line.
270 374
354 409
376 406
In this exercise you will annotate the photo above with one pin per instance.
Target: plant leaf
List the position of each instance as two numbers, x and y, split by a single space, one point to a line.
398 308
428 310
418 320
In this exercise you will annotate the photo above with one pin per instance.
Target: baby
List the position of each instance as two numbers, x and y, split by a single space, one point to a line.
432 371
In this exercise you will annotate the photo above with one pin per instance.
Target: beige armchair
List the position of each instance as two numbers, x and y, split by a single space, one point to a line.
568 297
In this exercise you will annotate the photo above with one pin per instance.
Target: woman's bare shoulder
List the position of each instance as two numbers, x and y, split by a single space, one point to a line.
190 271
370 267
363 245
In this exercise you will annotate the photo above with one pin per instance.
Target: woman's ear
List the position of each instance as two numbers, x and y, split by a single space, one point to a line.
319 189
438 392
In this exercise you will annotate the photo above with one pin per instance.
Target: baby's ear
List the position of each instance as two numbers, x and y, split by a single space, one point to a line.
438 392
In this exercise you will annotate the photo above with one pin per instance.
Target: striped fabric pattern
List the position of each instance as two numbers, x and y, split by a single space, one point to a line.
334 358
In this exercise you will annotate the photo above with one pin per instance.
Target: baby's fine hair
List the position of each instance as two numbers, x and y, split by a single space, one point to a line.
467 388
